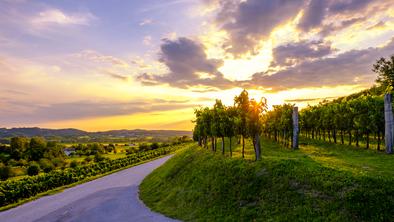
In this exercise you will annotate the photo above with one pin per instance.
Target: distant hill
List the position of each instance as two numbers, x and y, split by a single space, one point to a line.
69 133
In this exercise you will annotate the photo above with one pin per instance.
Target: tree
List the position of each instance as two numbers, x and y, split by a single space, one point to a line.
37 148
385 70
230 124
18 145
241 102
219 121
33 169
5 171
255 113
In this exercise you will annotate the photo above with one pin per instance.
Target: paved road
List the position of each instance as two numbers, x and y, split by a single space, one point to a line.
110 198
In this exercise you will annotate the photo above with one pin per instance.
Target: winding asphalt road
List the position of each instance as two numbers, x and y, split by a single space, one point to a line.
110 198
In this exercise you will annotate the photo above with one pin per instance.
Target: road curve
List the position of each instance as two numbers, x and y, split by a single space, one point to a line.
110 198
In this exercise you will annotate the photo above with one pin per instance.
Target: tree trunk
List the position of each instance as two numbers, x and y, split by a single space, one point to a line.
296 129
342 137
350 137
223 145
231 150
367 147
199 140
257 146
334 135
388 118
357 138
243 146
213 144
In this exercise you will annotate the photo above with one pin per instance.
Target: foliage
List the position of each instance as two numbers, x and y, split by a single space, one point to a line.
385 70
74 164
197 185
5 171
12 191
244 119
358 117
46 165
33 169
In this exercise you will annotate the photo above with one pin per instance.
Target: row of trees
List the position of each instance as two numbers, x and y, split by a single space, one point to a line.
358 117
242 120
277 123
352 118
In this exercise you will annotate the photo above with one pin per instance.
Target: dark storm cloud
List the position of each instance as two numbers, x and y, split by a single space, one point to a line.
250 21
294 53
187 62
352 67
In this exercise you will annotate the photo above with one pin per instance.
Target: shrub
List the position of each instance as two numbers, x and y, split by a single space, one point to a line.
98 157
22 162
131 150
46 165
33 169
58 162
154 146
74 164
4 171
88 159
12 162
143 147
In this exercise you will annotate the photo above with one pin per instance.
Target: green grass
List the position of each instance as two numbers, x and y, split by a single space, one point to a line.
318 182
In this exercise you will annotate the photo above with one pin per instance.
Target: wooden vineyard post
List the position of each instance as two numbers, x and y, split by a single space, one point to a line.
296 129
388 119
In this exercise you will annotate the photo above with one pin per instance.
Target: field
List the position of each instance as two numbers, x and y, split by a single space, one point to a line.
320 181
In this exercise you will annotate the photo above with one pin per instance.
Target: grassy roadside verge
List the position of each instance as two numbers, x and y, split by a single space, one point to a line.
87 179
314 183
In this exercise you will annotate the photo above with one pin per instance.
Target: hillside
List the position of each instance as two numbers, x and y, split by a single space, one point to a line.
73 133
319 181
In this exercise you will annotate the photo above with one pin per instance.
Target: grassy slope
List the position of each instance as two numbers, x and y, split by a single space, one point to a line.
317 182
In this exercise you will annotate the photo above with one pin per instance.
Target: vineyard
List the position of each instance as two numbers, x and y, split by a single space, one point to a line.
356 119
11 191
353 120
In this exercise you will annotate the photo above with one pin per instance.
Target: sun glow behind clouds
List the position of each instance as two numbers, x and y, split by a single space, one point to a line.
244 68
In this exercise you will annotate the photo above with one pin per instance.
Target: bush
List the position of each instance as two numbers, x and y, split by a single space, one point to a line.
74 164
58 162
33 169
143 147
12 162
88 159
5 171
131 150
22 162
154 146
46 165
98 157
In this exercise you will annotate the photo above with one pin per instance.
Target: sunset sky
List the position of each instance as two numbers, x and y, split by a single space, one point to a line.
99 65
